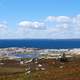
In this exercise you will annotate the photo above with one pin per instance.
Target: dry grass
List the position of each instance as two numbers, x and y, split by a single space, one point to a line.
54 70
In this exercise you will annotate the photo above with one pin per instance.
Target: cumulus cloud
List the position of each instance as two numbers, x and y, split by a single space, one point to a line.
3 29
54 27
61 19
51 18
64 26
31 29
3 26
77 20
31 25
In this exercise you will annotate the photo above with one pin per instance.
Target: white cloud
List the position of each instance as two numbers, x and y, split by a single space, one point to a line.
51 18
53 27
78 20
31 25
63 26
3 26
3 30
61 19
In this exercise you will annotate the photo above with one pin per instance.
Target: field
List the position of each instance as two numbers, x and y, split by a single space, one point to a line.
43 69
24 53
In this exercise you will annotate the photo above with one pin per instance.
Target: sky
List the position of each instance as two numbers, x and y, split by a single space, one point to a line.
39 19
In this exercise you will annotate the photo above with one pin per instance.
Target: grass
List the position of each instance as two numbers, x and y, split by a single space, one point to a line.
15 77
23 52
23 59
53 71
11 73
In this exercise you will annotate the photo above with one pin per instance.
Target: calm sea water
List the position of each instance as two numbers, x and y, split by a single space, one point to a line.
40 43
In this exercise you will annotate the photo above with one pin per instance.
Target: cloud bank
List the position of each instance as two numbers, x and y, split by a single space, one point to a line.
52 27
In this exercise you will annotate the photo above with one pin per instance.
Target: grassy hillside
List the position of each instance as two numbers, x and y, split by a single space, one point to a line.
53 70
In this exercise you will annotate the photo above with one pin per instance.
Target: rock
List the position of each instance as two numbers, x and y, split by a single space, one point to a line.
28 72
37 68
61 67
39 65
21 62
1 63
42 69
36 62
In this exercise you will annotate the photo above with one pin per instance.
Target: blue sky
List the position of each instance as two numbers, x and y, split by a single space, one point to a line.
52 19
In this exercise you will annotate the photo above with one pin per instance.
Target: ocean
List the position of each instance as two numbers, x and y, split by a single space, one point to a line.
41 43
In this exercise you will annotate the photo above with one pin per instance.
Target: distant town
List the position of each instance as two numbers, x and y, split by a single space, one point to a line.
14 53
